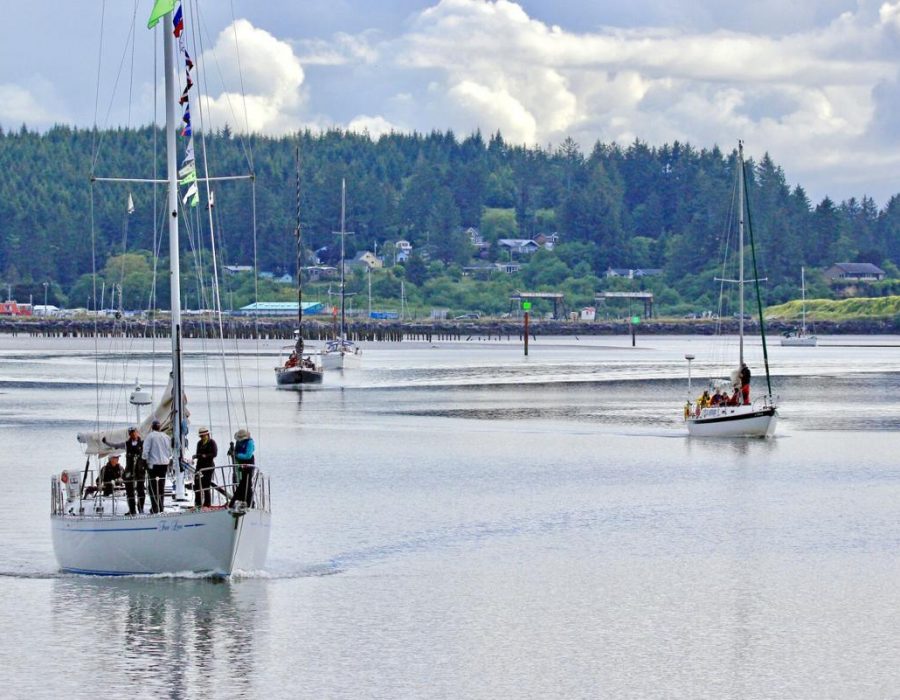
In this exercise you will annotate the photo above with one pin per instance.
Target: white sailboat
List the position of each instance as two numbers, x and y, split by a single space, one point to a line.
341 353
741 418
800 338
93 532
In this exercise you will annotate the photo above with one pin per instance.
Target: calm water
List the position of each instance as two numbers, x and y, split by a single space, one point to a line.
459 522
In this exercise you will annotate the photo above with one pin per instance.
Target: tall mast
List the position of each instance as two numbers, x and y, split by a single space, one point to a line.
174 262
741 246
343 233
299 345
343 236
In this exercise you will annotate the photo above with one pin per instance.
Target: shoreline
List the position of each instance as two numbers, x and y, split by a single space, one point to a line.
397 331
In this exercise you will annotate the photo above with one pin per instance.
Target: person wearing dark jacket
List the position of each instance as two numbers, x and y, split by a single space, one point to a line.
110 475
745 383
241 451
135 470
204 467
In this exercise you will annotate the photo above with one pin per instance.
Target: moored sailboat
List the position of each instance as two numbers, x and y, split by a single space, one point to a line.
101 531
736 415
800 338
341 353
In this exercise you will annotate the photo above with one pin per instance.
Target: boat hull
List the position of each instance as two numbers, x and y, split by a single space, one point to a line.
808 341
212 541
341 360
737 421
294 377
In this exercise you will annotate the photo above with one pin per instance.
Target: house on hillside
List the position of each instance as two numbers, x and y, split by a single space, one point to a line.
509 268
314 273
402 250
547 240
632 273
854 272
237 269
481 246
519 246
365 259
479 270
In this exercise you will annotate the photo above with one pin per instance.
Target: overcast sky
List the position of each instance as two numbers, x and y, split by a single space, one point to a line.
813 82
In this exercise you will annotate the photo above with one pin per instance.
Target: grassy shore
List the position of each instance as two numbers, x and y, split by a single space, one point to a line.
837 310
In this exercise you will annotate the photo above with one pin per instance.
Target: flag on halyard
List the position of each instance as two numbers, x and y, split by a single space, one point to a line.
192 194
130 204
160 8
178 22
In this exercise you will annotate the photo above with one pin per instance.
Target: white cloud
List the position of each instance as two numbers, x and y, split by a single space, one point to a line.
19 105
810 97
272 78
341 49
376 126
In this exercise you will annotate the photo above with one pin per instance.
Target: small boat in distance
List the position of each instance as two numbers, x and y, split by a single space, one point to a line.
736 415
800 338
301 368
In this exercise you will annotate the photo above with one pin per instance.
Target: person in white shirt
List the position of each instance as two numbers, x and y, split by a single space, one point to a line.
158 454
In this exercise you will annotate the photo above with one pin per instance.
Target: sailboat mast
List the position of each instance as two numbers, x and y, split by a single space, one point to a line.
174 262
343 237
299 345
803 300
741 247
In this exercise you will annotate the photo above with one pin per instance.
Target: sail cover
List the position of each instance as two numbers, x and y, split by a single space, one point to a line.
93 441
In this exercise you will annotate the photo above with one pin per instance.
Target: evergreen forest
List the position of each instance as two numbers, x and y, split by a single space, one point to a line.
634 207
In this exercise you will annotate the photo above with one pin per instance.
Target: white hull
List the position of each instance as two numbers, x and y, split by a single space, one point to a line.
213 541
341 360
800 341
733 421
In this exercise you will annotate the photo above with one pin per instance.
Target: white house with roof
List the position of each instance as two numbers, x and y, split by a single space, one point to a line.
519 246
402 250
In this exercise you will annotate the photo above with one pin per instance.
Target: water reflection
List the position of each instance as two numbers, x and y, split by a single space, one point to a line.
733 447
174 637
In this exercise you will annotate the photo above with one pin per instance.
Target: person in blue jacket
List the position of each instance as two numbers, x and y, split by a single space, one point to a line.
241 451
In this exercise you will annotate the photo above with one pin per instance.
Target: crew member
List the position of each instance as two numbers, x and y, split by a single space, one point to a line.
241 451
135 469
745 383
157 452
204 467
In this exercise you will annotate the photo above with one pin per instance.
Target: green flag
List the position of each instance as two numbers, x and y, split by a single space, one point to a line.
160 8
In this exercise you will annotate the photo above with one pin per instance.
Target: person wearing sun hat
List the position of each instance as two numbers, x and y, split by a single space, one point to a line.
242 450
135 469
204 467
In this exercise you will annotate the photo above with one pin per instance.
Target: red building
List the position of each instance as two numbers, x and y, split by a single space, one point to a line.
12 308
